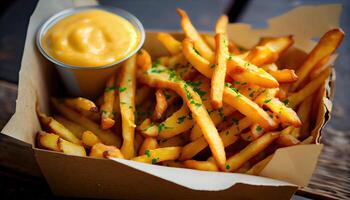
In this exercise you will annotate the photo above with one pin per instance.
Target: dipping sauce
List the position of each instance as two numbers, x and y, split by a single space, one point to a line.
91 38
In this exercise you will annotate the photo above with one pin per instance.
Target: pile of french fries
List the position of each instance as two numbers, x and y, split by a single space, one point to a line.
208 105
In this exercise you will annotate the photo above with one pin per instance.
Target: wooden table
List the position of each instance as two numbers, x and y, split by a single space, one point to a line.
21 177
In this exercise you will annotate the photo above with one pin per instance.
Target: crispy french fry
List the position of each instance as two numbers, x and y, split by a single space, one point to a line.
90 139
279 44
282 76
296 98
286 140
258 167
148 144
127 90
158 155
304 112
148 128
201 165
142 93
328 43
192 34
221 25
70 148
165 78
170 43
210 40
320 66
80 104
48 140
107 118
100 150
75 128
237 160
254 133
58 128
161 105
106 136
173 141
219 74
138 141
228 137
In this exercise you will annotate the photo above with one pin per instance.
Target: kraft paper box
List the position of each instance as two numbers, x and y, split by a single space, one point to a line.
122 179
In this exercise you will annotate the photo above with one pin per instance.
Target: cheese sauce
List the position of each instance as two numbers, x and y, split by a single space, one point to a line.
91 39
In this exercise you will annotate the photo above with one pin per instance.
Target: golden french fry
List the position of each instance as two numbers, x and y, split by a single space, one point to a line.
148 144
173 141
308 140
228 137
304 112
170 43
158 155
90 139
107 117
219 73
282 76
148 128
296 98
138 141
319 67
75 128
201 165
100 150
221 25
58 128
254 133
286 140
70 148
258 167
161 105
279 44
254 148
80 104
48 140
106 136
328 43
162 77
127 88
210 40
192 34
142 93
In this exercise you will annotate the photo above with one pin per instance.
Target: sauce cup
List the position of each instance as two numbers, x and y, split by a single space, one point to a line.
82 81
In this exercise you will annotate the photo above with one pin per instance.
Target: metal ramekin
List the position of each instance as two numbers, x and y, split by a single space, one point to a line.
87 81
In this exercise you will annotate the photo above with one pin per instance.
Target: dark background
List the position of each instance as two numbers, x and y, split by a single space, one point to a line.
160 14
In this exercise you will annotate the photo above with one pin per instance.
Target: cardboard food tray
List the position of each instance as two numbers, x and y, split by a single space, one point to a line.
88 177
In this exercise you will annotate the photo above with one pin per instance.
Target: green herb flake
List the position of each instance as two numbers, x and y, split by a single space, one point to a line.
108 89
212 66
221 112
122 89
147 153
228 167
195 50
286 102
156 63
258 128
267 101
237 82
180 120
235 121
148 127
200 92
154 160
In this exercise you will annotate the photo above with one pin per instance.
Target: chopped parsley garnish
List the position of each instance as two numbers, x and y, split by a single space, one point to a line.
154 160
229 85
147 153
162 127
267 101
244 83
258 128
252 94
230 57
228 167
167 96
122 89
212 66
188 95
190 116
221 112
200 92
195 103
148 127
156 63
246 64
172 75
235 121
180 120
271 116
108 89
193 83
195 50
286 102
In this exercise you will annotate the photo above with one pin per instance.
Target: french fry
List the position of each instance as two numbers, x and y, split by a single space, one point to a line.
201 165
161 105
282 76
221 25
192 34
296 98
75 128
328 43
210 40
158 155
138 141
170 43
107 118
165 78
148 128
106 136
228 137
254 133
58 128
286 140
127 87
142 93
320 66
70 148
149 143
304 112
100 150
258 167
90 139
219 74
173 141
48 140
255 147
80 104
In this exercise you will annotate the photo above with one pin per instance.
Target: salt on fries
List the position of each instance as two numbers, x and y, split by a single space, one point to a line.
205 100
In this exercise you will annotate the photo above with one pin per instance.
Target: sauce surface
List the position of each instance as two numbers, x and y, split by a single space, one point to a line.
91 39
